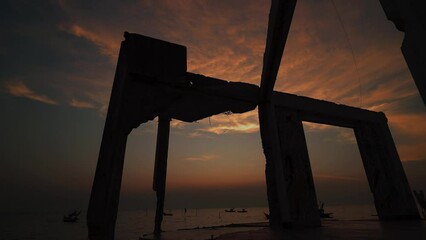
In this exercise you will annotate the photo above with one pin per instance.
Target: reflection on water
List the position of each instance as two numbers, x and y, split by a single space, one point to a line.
133 224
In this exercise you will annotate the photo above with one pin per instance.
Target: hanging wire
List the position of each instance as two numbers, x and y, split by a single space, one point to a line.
352 51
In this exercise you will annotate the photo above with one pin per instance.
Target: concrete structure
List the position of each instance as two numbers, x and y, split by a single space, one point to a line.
409 16
280 17
386 177
152 81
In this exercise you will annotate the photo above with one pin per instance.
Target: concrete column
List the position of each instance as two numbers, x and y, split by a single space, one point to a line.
392 194
160 169
279 215
300 187
104 199
105 195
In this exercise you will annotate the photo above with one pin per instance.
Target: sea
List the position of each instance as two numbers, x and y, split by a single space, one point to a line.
136 224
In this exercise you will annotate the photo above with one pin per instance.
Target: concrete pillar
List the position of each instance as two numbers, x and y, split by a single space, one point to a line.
392 194
279 215
104 199
300 187
105 195
103 205
280 17
160 169
409 16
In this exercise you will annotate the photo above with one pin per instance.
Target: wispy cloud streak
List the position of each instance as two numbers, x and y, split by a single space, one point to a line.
201 158
20 89
106 45
81 104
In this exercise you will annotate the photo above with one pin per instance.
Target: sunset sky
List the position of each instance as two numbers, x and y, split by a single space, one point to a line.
58 59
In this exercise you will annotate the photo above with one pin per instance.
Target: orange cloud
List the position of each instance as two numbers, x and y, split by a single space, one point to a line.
315 127
178 124
106 44
410 135
234 123
81 104
201 158
19 89
241 128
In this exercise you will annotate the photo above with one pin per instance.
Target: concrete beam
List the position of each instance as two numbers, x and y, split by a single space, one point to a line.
324 112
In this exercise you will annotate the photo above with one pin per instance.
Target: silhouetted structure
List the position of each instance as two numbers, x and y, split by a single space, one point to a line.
409 16
152 81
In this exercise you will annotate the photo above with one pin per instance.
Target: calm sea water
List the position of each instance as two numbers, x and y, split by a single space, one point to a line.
134 224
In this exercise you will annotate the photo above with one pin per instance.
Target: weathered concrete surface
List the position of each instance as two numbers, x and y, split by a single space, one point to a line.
409 16
279 22
299 183
392 194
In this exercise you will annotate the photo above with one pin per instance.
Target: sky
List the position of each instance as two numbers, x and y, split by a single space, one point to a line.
58 60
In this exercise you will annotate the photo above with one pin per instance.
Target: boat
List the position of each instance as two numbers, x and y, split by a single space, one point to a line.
230 210
242 210
167 214
71 217
326 215
323 214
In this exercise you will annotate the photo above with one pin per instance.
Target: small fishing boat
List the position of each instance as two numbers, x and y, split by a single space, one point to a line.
230 210
242 210
168 214
322 213
71 217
